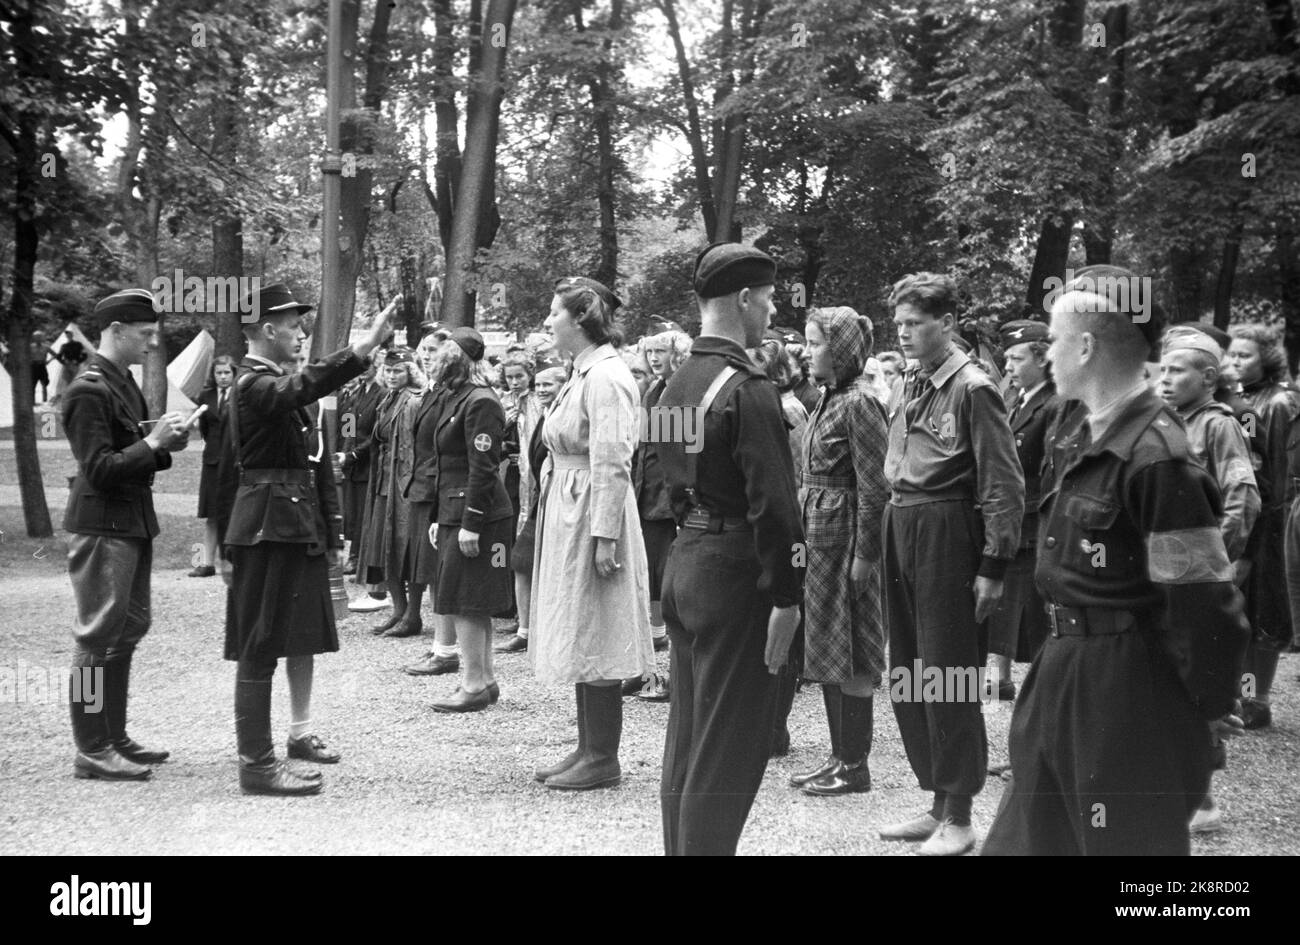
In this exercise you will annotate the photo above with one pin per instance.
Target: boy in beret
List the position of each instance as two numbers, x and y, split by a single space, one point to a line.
110 515
275 536
734 578
1018 626
1189 377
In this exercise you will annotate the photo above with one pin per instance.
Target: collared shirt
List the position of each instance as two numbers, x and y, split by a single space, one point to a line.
948 435
1100 420
1026 395
275 368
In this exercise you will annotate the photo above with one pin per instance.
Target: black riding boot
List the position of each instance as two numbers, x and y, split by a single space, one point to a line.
88 702
833 699
259 771
117 682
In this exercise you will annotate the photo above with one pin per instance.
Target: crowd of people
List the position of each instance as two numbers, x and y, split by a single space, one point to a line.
1110 500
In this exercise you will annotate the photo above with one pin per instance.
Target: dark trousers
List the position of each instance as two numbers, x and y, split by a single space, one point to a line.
1107 754
931 555
110 583
724 699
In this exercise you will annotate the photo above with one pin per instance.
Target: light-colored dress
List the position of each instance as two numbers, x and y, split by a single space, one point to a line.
586 627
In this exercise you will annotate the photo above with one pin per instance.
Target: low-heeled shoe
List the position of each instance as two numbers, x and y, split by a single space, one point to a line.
312 748
462 701
132 750
108 765
277 778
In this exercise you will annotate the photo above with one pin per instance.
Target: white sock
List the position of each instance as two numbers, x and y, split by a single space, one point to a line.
522 632
299 729
658 631
444 649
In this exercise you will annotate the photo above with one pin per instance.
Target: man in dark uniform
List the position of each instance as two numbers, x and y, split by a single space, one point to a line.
951 528
111 518
274 532
1018 626
734 579
1111 739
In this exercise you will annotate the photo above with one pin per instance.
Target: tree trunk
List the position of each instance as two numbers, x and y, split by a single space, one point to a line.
1289 282
1049 260
603 108
694 131
446 172
18 330
1227 273
479 165
228 226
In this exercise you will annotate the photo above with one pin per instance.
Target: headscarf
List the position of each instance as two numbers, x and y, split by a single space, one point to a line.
847 335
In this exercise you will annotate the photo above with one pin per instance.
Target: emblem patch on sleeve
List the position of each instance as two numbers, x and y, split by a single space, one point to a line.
482 442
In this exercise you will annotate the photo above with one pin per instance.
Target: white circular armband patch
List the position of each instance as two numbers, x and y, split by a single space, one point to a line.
482 442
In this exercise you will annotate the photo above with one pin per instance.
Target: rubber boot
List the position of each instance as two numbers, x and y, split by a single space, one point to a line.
550 771
854 775
259 771
96 757
598 766
117 683
833 700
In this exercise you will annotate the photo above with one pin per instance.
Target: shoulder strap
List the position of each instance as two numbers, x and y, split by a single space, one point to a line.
706 404
233 416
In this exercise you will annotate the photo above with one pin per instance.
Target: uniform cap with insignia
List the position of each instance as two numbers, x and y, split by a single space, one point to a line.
724 268
396 356
273 300
792 337
469 341
1179 338
429 327
129 305
1022 331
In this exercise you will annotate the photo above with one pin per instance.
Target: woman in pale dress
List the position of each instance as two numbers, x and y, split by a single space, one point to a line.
590 578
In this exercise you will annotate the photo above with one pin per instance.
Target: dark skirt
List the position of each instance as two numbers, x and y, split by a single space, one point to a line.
521 555
354 509
422 557
1019 626
474 587
278 603
208 491
658 535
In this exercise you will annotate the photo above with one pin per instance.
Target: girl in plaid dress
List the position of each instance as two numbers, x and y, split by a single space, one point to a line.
842 493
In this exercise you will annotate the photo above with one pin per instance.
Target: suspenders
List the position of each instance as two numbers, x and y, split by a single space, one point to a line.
706 404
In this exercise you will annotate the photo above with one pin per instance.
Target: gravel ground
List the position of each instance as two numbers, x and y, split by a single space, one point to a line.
413 781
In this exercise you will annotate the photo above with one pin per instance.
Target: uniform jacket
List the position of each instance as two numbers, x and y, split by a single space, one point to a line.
212 425
1029 424
652 501
276 499
358 407
1218 443
423 485
1131 522
744 467
110 494
948 433
468 439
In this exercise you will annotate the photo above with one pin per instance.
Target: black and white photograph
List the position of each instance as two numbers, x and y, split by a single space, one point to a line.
570 428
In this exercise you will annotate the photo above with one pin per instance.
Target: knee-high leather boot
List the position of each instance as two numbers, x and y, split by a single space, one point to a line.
598 766
550 771
832 698
88 704
117 685
259 771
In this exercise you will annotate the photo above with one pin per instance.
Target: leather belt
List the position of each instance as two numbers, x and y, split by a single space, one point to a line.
709 521
905 499
253 476
1089 621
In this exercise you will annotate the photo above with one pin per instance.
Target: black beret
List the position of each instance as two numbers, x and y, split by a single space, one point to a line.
1129 296
1020 331
470 341
273 300
724 268
129 305
429 327
396 356
665 324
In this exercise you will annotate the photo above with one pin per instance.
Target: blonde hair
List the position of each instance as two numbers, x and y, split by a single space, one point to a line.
676 343
453 369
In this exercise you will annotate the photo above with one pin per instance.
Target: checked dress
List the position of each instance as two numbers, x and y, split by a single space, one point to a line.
842 496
